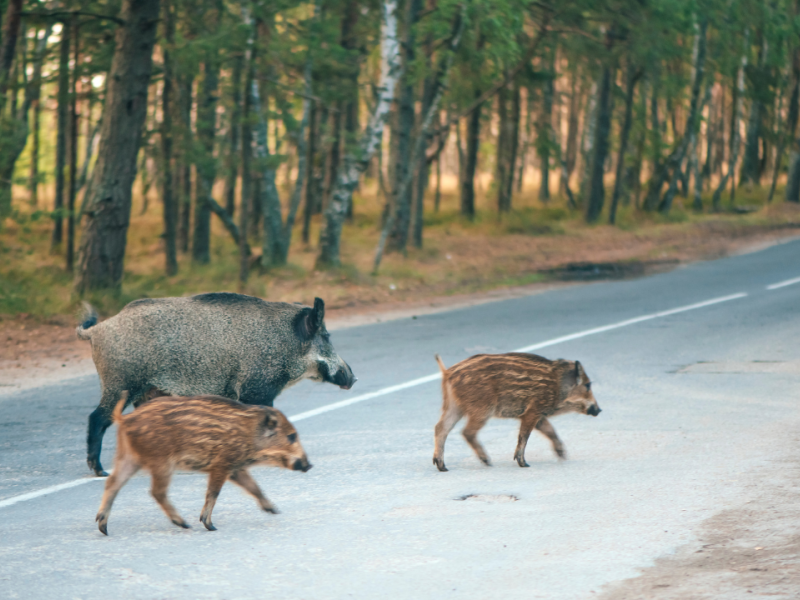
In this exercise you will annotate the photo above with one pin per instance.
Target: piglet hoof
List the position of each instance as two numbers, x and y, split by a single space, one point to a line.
209 526
485 460
521 462
181 523
272 509
562 455
440 464
102 525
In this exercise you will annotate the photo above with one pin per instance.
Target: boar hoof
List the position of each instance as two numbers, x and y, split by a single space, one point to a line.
521 462
439 464
486 461
209 526
103 527
272 509
182 523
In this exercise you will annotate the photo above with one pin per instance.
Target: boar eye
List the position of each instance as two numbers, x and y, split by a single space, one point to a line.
292 438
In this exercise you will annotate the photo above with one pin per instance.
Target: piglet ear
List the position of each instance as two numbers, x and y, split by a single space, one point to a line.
580 374
270 422
319 311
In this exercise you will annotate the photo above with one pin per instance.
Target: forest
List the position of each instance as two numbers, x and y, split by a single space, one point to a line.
259 137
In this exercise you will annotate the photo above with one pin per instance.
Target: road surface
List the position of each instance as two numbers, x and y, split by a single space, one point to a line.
686 485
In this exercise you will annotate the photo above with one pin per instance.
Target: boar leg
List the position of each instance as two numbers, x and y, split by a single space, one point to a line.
470 433
245 480
451 415
529 421
158 489
99 421
216 479
546 428
124 469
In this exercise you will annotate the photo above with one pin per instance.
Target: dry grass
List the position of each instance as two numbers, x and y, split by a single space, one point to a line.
457 257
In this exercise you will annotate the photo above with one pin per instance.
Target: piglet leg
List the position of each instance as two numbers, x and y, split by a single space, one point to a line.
529 421
158 488
546 429
216 479
124 468
470 433
245 481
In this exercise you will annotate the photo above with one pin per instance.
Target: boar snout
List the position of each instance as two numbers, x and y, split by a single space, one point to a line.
344 377
593 410
302 464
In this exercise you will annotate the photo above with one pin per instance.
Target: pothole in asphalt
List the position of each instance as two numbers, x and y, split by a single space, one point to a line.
489 498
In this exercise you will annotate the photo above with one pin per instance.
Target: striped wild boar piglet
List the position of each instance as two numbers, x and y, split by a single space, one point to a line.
230 345
210 434
516 385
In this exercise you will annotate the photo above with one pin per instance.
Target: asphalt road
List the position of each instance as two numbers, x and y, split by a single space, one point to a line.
700 412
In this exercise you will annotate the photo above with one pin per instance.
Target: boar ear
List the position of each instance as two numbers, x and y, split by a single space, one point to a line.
270 422
306 324
319 311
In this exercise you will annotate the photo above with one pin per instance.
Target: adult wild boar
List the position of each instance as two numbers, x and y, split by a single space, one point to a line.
230 345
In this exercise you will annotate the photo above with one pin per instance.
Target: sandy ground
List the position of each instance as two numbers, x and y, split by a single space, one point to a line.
34 353
750 551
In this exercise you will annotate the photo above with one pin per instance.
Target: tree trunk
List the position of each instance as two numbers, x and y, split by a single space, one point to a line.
502 148
545 127
587 143
737 109
308 207
422 167
247 156
633 77
61 134
8 44
356 162
750 171
601 145
793 181
73 151
675 159
398 237
14 129
102 250
471 162
231 168
440 82
571 151
184 165
33 180
206 164
170 206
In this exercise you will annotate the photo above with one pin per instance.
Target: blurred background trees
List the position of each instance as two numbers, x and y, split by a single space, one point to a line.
275 118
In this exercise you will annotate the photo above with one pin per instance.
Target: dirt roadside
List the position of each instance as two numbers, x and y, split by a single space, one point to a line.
35 353
750 551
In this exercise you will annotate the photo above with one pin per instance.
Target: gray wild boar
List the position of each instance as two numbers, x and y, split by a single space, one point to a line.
222 344
210 434
516 385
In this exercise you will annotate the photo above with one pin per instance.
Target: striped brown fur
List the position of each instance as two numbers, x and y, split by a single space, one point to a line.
516 385
211 434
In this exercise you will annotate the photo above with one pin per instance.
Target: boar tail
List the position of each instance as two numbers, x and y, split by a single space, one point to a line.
88 319
116 417
441 364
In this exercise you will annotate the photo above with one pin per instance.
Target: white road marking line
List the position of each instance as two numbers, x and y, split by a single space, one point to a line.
44 492
781 284
413 383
